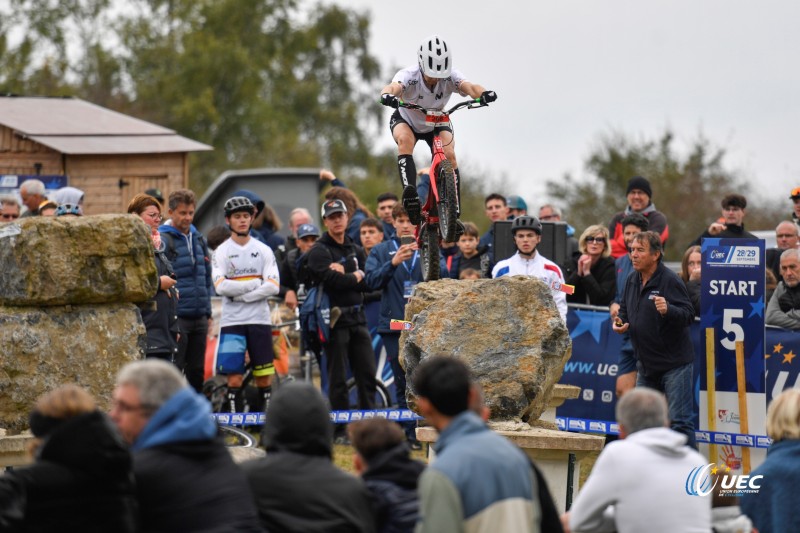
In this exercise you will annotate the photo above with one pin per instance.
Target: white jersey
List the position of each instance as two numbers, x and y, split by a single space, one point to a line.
536 267
245 276
416 92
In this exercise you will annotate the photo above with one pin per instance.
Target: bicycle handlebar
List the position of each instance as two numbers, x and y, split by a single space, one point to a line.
469 104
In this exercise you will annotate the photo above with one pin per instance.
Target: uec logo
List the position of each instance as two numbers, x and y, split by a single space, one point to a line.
699 482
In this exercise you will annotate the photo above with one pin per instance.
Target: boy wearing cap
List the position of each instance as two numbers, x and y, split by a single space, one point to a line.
291 278
338 262
731 224
394 268
516 206
639 195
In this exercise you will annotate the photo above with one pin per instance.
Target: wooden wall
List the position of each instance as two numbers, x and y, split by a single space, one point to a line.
18 156
99 177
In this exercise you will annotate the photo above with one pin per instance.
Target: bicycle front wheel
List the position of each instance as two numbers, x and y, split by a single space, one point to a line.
446 184
429 252
382 397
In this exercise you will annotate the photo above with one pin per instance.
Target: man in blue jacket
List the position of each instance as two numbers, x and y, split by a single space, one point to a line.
187 250
395 268
656 310
626 371
480 481
185 478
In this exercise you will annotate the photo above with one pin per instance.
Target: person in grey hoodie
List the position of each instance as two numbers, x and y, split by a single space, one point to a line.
639 483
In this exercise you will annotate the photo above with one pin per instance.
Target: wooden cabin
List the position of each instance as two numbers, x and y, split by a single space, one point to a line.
108 155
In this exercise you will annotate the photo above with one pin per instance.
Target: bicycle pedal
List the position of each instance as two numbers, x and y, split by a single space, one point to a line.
412 205
459 229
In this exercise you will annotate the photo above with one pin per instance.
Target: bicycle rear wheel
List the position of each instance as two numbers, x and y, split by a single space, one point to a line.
429 251
382 397
446 184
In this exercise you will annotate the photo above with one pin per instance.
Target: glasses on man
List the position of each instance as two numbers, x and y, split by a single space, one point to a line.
598 240
9 216
548 217
124 407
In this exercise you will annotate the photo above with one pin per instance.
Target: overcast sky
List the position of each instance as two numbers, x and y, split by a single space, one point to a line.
568 71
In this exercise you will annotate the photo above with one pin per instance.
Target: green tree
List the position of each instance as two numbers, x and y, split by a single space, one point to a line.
265 82
687 189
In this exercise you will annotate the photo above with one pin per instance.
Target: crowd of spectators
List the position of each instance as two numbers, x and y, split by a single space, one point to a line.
163 423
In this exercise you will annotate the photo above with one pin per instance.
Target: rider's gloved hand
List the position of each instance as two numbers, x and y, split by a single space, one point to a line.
488 96
390 100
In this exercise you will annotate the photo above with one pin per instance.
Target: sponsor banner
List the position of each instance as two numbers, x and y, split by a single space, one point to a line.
595 352
10 183
732 304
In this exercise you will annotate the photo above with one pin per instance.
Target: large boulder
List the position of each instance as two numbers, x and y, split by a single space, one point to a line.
76 260
41 349
507 330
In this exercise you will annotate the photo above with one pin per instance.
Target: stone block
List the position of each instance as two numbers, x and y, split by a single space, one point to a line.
76 260
507 330
42 348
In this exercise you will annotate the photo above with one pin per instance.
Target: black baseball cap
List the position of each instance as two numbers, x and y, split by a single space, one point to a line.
155 193
333 206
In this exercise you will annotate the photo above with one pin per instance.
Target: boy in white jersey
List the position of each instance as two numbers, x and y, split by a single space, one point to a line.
429 84
245 273
527 231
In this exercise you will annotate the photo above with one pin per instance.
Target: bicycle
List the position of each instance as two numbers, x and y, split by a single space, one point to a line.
439 214
216 388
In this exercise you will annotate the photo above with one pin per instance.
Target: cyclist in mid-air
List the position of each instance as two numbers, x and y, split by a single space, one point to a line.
429 84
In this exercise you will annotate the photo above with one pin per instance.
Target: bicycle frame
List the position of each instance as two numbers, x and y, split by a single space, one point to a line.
440 211
439 119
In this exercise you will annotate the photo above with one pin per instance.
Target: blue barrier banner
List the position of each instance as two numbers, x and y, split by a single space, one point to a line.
782 349
709 437
337 417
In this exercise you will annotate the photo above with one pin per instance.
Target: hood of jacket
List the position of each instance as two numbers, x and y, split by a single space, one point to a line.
651 207
395 465
298 421
663 441
184 417
87 442
169 228
68 195
253 197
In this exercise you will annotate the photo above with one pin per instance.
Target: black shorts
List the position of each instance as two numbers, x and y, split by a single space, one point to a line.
427 137
235 341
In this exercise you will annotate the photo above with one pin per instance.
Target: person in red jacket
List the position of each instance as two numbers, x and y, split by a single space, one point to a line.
639 195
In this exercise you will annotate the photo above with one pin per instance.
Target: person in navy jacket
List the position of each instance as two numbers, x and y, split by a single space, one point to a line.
395 268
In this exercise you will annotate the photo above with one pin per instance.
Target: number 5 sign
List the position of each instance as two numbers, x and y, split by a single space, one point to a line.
732 305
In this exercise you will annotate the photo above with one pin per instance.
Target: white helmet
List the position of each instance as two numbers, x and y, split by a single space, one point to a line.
434 57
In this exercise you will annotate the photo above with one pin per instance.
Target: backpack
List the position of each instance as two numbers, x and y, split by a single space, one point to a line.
315 317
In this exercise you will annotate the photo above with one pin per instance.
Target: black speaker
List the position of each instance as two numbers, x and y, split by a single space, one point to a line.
554 242
553 245
503 246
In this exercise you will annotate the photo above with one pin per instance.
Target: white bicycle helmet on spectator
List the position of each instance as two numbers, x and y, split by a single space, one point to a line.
435 59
